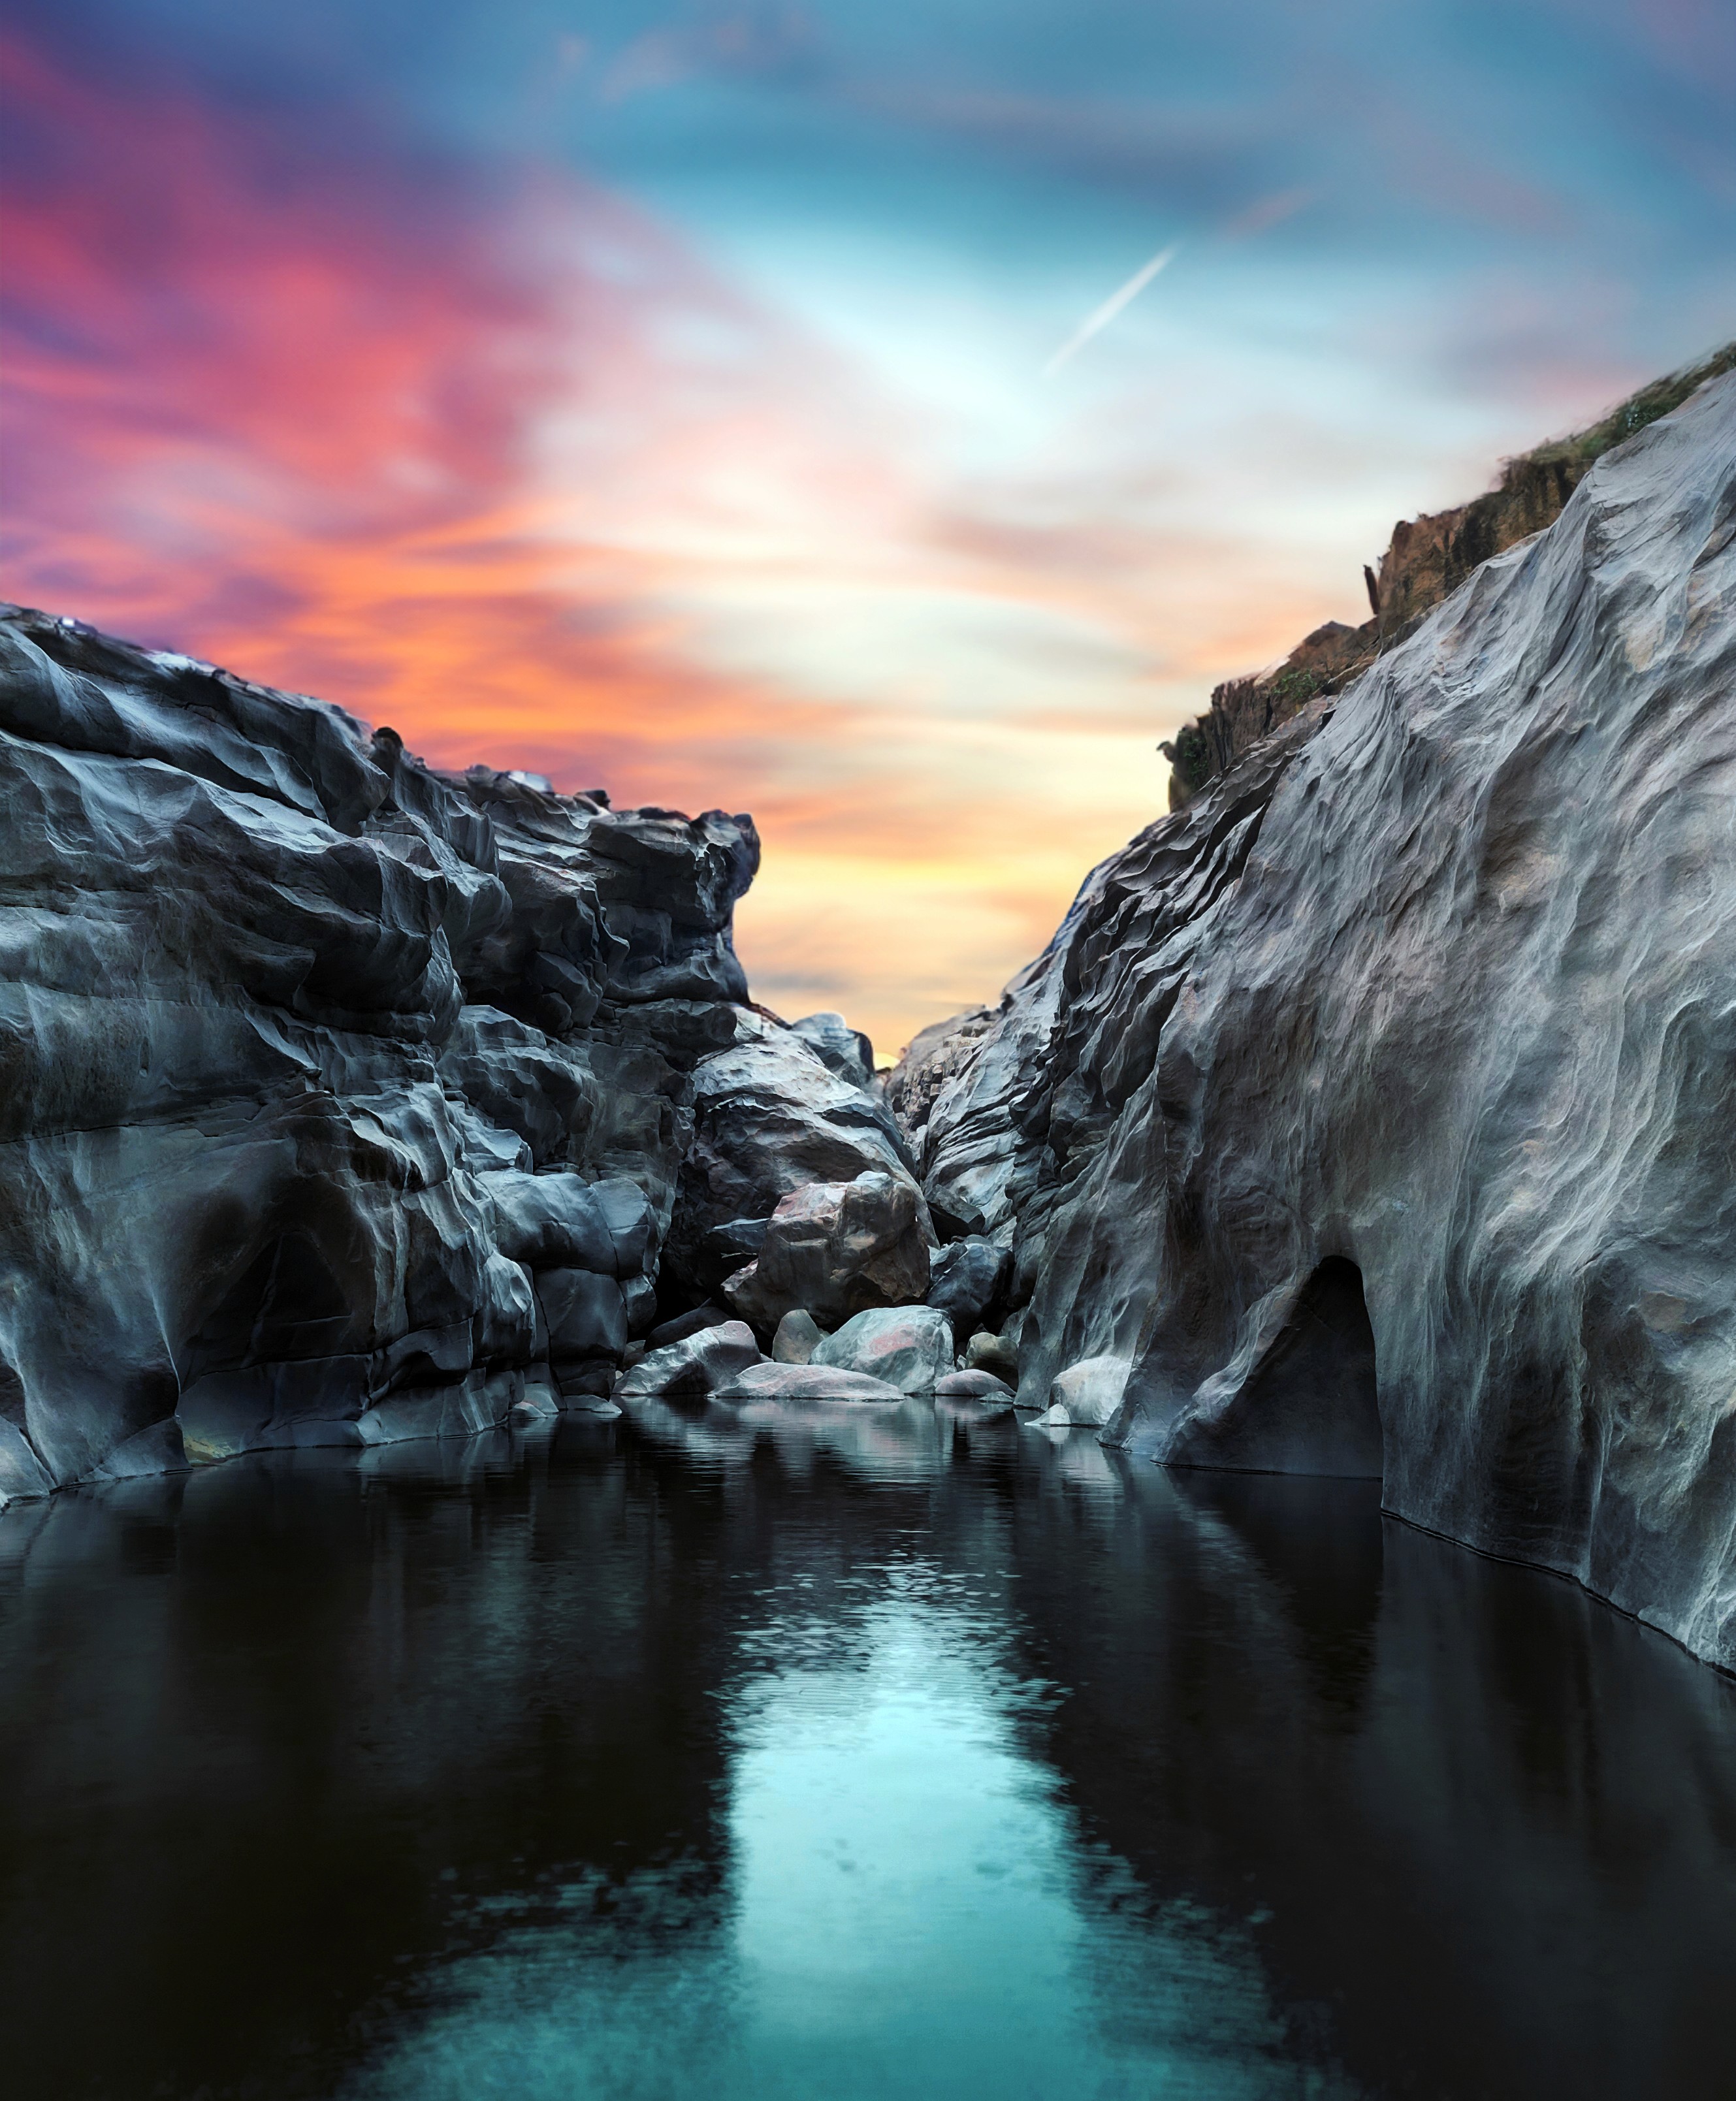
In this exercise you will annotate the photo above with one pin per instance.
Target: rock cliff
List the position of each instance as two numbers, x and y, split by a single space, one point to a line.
1426 560
1376 1112
344 1101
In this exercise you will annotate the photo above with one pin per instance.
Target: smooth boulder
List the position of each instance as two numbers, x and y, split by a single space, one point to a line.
971 1386
908 1347
690 1370
798 1336
1086 1394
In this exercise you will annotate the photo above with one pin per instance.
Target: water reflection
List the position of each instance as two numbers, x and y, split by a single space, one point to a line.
862 1753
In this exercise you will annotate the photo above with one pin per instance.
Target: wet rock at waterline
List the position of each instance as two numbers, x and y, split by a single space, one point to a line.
807 1382
1086 1395
691 1369
908 1347
971 1386
1403 1058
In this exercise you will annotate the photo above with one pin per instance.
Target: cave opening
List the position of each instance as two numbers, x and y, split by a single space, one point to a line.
1310 1404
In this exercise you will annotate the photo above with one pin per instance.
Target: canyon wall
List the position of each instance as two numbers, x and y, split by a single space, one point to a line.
342 1101
1376 1112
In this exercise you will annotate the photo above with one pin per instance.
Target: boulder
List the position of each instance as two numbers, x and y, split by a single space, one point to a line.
971 1386
768 1118
1086 1394
836 1249
692 1369
798 1336
998 1354
806 1382
964 1279
908 1347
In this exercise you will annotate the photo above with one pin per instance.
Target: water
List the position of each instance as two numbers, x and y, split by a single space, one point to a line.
841 1755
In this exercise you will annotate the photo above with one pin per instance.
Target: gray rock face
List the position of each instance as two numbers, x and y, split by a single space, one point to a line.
1401 1067
343 1101
835 1249
908 1347
769 1117
964 1279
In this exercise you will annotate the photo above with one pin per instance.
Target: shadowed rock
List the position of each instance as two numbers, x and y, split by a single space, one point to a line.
964 1279
1430 995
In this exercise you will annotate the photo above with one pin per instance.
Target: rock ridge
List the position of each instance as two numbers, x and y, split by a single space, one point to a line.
1426 560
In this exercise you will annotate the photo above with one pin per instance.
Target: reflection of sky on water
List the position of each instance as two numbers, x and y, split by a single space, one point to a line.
909 1908
678 1756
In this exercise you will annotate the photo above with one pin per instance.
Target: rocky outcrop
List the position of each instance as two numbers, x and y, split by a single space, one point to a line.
1426 560
345 1101
1375 1111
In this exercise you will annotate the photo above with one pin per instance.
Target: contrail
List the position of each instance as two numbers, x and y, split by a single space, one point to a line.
1104 314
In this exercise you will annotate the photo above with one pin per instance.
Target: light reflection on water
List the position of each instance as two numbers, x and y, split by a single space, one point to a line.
842 1753
909 1909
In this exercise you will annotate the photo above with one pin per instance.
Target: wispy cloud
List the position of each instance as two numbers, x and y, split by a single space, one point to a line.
1100 318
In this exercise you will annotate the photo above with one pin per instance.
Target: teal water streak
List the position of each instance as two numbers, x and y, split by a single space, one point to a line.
910 1910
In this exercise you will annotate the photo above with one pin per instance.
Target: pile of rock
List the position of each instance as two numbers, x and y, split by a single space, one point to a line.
887 1354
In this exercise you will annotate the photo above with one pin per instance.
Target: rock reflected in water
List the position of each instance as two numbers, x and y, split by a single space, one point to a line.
869 1751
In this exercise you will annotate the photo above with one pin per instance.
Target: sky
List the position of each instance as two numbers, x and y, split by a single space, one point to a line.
732 407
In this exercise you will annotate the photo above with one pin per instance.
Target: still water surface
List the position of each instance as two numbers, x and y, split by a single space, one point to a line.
869 1754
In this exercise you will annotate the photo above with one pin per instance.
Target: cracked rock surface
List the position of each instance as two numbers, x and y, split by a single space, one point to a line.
1400 1067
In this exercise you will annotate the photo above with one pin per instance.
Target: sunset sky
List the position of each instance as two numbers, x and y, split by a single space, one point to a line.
669 400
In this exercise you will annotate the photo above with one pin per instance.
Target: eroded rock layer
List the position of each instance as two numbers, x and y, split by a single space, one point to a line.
344 1101
1377 1111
